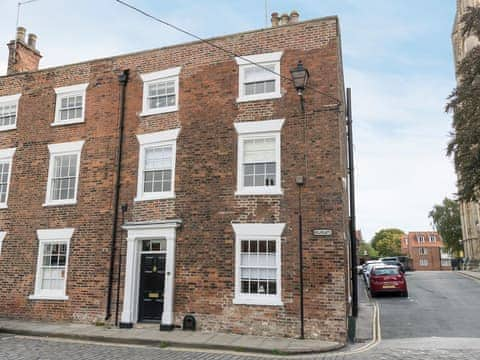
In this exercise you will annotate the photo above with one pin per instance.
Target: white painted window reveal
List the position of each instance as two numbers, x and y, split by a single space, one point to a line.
160 91
156 167
52 264
2 237
63 173
70 104
9 111
259 82
259 158
6 160
258 264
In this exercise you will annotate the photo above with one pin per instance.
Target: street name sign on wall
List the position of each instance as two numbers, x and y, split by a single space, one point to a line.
322 232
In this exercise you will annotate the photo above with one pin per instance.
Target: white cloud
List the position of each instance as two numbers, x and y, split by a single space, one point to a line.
401 132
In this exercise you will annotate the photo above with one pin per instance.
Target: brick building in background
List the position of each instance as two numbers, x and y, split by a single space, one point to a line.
176 168
425 251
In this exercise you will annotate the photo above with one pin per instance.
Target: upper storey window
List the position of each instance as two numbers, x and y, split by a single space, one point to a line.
156 169
6 158
258 168
258 77
70 107
8 111
63 173
160 91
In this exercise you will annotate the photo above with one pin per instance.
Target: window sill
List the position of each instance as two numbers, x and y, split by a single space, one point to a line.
261 301
48 297
261 191
3 206
165 196
69 122
60 203
270 96
159 111
7 128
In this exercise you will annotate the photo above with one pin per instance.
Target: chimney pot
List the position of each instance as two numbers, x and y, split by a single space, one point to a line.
275 19
294 16
21 33
284 19
32 41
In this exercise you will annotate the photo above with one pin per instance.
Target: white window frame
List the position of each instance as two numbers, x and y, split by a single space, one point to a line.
66 91
272 232
8 99
156 77
423 262
246 62
69 148
420 238
423 251
259 129
432 238
6 155
146 141
2 237
51 236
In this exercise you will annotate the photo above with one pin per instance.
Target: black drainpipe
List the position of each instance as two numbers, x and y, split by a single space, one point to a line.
122 79
353 234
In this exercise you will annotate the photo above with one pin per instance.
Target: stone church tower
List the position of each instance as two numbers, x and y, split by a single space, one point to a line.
469 212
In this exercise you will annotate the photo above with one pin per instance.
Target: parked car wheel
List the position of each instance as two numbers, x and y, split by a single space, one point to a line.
404 294
373 294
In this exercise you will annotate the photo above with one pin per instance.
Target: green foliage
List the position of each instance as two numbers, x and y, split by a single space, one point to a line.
464 102
446 218
368 249
387 242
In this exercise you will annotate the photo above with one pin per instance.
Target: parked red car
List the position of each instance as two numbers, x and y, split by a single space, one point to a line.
387 278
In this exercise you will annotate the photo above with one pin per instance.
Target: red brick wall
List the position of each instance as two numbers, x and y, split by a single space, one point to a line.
205 182
23 59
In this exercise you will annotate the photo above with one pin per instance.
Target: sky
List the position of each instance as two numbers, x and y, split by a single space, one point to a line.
397 59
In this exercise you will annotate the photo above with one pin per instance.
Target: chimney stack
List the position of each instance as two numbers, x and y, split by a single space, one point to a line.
294 15
32 41
21 31
275 19
285 19
23 56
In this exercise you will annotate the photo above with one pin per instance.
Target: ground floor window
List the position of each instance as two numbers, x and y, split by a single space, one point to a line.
423 262
51 276
258 267
258 264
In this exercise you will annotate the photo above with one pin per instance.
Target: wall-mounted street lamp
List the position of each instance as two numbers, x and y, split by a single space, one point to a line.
300 77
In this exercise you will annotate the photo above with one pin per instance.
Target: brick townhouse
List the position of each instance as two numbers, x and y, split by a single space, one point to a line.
426 251
163 183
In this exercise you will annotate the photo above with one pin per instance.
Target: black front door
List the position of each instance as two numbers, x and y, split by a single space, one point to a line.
152 284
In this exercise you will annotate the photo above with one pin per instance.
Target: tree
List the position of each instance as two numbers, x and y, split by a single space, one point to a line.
446 218
387 242
464 102
366 248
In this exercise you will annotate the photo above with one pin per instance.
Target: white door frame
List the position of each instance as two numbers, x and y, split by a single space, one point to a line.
148 231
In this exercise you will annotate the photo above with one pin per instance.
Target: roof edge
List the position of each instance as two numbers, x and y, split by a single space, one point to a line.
111 58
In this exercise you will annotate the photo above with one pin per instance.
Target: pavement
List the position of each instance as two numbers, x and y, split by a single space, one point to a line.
437 322
151 336
472 274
